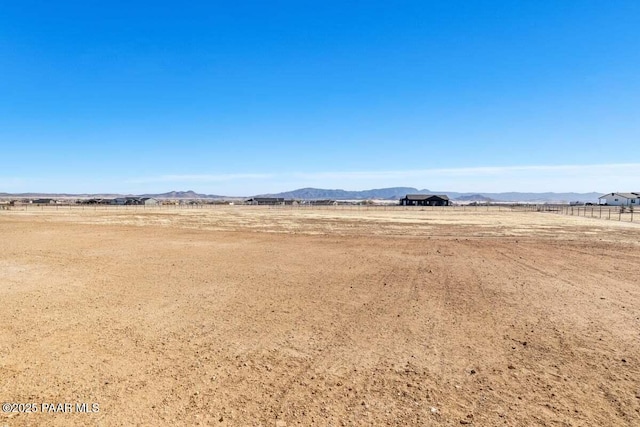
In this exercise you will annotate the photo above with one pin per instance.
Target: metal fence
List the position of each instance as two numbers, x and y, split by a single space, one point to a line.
613 213
617 213
336 207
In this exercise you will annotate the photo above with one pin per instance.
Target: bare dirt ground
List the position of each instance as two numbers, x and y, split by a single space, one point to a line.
278 317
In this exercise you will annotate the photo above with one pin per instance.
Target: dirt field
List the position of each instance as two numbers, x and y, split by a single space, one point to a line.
244 316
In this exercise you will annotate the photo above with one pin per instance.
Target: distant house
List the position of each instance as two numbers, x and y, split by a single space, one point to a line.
133 201
149 201
97 202
620 199
265 201
119 201
425 200
43 201
146 201
324 202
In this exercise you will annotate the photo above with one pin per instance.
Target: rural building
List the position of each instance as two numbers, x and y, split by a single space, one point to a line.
425 200
132 201
265 201
43 201
97 202
149 201
620 199
324 202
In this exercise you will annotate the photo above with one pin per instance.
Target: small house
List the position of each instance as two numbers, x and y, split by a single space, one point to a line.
425 200
43 201
620 199
322 202
265 201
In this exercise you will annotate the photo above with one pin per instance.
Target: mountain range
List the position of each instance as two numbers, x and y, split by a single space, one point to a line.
399 192
393 193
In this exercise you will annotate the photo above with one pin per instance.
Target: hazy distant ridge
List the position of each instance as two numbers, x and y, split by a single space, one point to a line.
392 193
399 192
169 195
319 193
190 194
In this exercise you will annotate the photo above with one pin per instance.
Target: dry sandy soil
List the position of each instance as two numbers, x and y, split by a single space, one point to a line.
276 317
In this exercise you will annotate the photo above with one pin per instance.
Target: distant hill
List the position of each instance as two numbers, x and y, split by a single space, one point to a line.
169 195
399 192
319 194
474 198
535 197
60 195
393 193
190 194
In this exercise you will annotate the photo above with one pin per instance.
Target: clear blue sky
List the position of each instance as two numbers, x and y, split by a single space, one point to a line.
240 98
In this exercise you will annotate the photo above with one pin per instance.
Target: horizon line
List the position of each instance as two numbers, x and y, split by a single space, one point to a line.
480 179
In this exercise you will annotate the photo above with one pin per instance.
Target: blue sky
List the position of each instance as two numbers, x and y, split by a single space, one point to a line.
240 98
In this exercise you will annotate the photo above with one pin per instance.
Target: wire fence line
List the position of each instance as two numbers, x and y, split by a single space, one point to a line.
613 213
214 206
618 213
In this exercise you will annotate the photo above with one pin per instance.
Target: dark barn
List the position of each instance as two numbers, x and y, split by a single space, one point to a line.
425 200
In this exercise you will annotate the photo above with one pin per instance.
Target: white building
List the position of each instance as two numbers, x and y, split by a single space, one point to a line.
620 199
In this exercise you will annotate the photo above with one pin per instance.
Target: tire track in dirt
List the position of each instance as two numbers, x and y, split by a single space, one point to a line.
340 338
228 328
578 336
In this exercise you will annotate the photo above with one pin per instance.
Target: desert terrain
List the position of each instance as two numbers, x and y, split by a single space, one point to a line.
256 316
